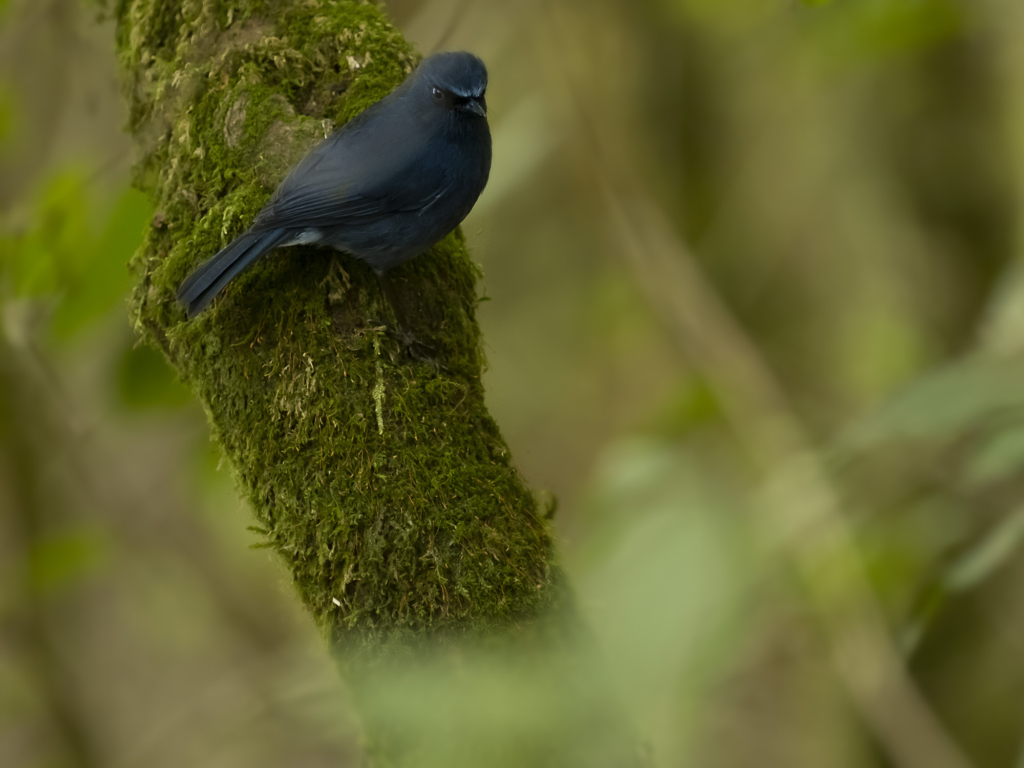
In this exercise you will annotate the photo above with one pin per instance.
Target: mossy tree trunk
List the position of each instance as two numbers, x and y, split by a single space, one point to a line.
383 483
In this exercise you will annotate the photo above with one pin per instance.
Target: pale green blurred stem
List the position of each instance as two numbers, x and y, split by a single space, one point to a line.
1002 333
802 512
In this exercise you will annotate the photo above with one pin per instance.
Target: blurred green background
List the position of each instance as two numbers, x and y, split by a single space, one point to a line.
847 175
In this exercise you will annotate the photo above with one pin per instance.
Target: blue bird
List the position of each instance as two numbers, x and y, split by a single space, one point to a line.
384 187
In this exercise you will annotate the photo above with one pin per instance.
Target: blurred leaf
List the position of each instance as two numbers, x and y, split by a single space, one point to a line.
145 380
999 457
502 707
967 572
871 30
883 352
895 561
64 253
663 574
100 275
929 604
63 559
33 258
902 25
690 405
939 406
990 553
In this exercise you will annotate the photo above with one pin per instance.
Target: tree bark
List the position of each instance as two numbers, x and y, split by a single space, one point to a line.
383 483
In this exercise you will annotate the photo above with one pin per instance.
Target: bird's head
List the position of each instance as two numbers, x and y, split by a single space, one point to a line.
454 81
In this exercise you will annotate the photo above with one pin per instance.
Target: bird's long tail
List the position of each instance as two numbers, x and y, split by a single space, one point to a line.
203 285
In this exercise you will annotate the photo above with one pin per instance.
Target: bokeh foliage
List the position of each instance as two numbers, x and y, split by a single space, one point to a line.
847 174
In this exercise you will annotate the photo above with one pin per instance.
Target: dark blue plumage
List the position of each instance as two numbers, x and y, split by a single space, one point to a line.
384 187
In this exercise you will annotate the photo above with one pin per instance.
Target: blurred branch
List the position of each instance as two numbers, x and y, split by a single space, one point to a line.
37 46
100 476
23 455
803 512
1002 332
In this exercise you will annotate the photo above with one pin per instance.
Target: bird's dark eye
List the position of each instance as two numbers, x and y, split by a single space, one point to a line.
438 95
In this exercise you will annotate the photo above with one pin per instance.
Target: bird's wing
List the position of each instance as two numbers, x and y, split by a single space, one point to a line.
381 166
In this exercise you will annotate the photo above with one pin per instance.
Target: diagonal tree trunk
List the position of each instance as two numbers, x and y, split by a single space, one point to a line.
384 484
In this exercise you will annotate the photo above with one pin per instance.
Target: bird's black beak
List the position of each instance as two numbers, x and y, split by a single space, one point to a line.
476 107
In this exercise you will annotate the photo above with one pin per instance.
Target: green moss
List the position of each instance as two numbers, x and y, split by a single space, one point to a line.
384 484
